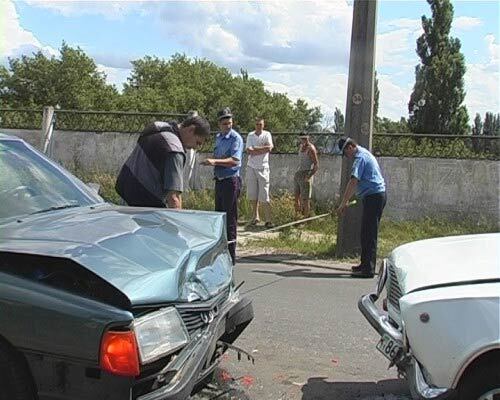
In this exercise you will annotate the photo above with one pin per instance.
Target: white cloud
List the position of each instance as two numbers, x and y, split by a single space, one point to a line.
20 41
493 50
259 34
393 49
317 85
115 76
296 47
396 44
395 63
404 23
113 60
393 101
466 23
297 32
482 82
108 8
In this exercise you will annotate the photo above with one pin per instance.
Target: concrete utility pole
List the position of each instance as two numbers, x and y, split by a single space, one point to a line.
359 112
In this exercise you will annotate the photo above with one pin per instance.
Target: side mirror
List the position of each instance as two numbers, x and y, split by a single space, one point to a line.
95 187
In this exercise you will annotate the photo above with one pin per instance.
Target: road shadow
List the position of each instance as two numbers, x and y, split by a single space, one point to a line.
272 258
320 389
286 259
306 273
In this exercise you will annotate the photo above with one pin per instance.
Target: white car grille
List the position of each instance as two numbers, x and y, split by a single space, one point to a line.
199 315
394 292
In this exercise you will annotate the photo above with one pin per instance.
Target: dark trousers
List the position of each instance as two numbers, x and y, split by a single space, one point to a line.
227 192
373 205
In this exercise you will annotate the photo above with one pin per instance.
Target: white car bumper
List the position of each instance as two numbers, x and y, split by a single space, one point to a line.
406 363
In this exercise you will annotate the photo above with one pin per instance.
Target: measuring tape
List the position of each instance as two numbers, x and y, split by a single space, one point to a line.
300 221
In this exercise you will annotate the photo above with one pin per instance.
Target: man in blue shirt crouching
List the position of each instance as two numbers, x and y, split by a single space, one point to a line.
367 181
228 153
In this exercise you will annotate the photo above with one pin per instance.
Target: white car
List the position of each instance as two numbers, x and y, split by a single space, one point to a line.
440 321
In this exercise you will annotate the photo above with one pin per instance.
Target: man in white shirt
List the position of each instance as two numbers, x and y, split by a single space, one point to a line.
259 145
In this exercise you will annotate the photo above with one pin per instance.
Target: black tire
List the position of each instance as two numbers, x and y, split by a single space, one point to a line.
16 382
480 381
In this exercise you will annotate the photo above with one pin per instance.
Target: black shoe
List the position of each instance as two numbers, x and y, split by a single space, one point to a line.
361 272
269 225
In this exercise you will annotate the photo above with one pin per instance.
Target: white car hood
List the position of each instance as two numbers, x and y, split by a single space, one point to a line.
447 261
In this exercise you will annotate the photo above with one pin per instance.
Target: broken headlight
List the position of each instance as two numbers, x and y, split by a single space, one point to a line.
160 333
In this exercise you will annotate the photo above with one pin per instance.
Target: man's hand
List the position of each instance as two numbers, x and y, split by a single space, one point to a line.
174 199
209 162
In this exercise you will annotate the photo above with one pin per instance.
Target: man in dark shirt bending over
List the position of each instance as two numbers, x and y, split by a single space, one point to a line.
152 176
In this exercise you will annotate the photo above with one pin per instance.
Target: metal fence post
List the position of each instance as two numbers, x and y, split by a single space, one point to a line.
48 122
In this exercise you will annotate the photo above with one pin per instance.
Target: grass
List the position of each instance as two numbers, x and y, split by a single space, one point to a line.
316 238
394 233
106 181
282 206
391 235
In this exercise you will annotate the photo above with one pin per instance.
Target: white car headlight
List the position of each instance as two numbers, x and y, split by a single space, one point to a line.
159 333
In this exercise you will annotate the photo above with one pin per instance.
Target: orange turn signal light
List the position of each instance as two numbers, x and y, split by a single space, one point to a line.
119 353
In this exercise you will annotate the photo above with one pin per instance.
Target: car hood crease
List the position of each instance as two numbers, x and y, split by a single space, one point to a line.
148 254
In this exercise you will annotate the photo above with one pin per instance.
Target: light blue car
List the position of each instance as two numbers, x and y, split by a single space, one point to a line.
103 301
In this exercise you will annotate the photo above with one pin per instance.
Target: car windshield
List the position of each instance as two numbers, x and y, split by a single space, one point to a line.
30 184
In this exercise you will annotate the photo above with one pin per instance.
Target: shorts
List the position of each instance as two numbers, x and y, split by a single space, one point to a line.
258 184
301 187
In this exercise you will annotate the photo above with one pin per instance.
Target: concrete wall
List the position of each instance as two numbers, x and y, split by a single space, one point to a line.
416 187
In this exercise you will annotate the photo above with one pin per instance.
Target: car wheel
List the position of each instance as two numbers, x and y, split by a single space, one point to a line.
482 383
15 380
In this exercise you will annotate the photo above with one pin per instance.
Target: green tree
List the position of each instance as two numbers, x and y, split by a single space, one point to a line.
435 105
477 128
181 84
277 110
496 125
386 125
71 80
491 122
305 119
491 127
338 121
177 85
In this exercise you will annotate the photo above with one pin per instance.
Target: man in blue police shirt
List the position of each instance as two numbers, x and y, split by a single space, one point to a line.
227 163
367 181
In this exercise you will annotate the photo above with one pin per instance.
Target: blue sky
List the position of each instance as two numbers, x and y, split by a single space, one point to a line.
297 47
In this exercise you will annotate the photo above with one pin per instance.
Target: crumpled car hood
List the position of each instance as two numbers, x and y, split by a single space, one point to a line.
447 260
150 255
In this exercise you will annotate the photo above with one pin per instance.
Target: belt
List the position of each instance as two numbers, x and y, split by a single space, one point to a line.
216 178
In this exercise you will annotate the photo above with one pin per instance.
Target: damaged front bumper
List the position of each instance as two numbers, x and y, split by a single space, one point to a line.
199 357
406 363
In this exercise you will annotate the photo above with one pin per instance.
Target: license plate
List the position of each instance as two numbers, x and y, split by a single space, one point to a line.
388 347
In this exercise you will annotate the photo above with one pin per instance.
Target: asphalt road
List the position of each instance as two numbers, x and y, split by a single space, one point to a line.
308 338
